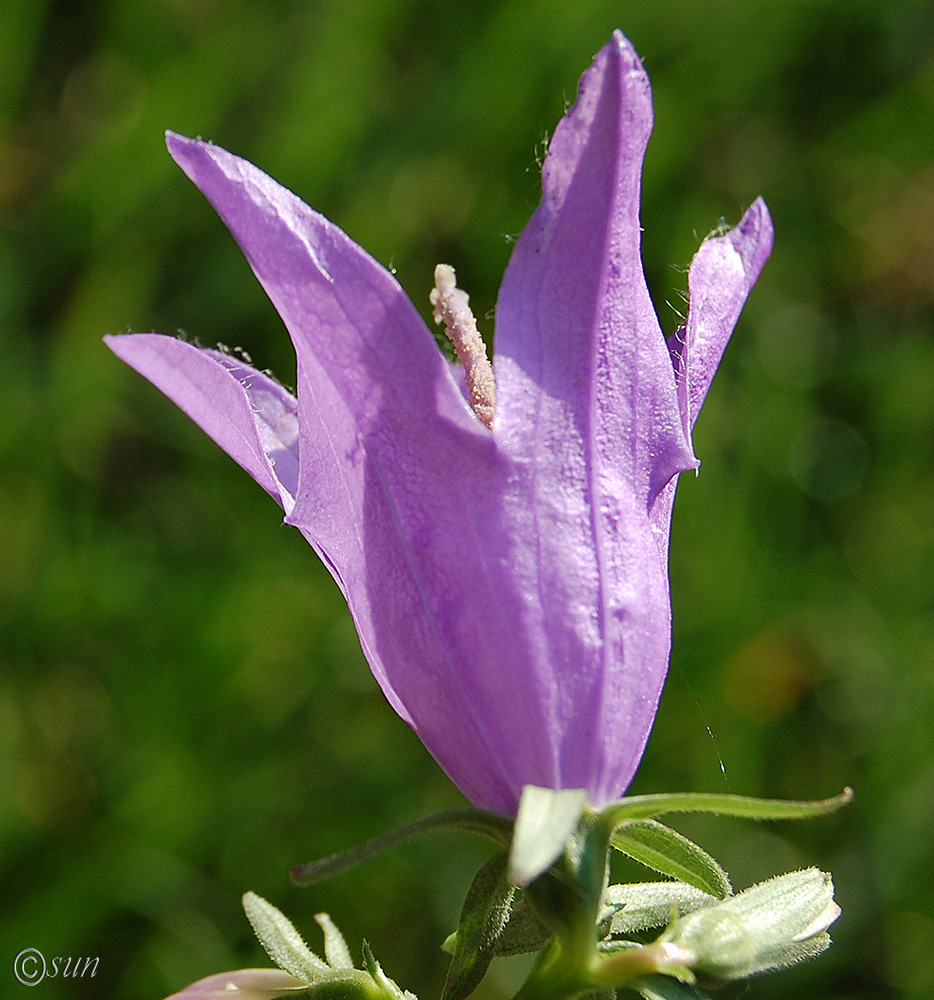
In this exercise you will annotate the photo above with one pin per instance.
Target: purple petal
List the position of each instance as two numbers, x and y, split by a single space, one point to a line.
243 984
394 472
588 408
346 314
578 342
721 276
251 416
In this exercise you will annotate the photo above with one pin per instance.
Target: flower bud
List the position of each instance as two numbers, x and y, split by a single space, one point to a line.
770 926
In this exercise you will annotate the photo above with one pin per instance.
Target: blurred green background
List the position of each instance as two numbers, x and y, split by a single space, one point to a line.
184 710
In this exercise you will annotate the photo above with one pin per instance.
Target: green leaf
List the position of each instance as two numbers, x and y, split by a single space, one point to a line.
647 806
282 942
666 988
545 822
643 905
665 850
523 933
483 916
492 825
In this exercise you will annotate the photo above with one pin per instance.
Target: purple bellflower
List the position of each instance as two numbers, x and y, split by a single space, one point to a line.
244 984
505 561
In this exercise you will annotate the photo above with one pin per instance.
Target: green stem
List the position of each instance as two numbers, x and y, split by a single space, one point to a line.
553 977
488 824
562 974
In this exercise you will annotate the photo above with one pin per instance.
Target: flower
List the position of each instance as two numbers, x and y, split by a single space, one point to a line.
506 568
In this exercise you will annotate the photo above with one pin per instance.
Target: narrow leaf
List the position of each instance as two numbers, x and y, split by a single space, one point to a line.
335 947
643 905
665 850
544 824
492 825
282 942
647 806
482 919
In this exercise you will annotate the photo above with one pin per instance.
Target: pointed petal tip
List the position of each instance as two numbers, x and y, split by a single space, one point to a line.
610 122
757 219
752 237
623 52
244 411
133 348
121 343
181 147
187 152
621 44
174 140
761 208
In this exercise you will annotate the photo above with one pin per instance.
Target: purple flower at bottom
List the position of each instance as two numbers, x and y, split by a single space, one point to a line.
505 563
244 984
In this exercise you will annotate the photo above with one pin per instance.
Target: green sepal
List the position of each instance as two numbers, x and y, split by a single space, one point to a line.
665 850
335 979
746 807
640 906
567 898
489 824
284 945
545 822
667 988
383 982
335 947
483 917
